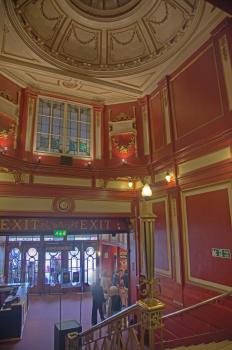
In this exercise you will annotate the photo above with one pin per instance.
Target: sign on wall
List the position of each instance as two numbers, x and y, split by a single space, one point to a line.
78 225
221 253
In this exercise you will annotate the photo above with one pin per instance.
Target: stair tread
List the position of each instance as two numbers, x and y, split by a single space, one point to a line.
222 345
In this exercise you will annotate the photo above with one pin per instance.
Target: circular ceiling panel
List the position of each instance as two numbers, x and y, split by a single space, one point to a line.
141 35
104 8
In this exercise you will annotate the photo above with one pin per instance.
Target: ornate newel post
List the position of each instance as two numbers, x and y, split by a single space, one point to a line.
151 306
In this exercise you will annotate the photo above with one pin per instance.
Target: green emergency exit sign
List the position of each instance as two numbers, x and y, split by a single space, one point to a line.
221 253
60 233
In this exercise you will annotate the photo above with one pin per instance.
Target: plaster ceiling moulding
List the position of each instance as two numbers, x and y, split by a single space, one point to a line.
70 84
154 38
81 45
104 8
126 46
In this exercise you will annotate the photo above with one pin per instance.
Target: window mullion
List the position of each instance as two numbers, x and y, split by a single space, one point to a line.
65 129
50 128
78 129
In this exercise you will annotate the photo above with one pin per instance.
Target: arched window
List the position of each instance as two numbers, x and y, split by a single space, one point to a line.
31 266
74 264
90 265
14 272
52 267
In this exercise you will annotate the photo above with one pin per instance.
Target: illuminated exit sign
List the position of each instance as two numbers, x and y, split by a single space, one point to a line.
221 253
60 233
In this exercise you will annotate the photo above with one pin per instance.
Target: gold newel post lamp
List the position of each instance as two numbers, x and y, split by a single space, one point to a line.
151 306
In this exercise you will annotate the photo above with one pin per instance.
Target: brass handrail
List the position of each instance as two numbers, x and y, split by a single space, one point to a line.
195 306
119 315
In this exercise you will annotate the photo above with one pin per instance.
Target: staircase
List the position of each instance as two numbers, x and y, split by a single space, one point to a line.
223 345
205 325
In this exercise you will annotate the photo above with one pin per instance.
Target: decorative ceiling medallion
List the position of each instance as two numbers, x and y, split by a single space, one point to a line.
104 8
63 205
70 84
144 38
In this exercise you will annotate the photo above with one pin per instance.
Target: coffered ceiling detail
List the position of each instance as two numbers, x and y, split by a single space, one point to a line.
103 50
59 34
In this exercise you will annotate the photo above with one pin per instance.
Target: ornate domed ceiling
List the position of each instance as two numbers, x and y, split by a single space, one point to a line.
148 33
105 8
104 50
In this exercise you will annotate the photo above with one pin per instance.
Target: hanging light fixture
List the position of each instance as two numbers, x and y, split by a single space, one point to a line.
146 191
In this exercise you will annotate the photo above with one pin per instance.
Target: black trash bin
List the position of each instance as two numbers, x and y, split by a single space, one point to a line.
62 329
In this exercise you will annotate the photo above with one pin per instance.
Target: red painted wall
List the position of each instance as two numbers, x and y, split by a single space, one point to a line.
209 226
107 260
161 242
196 95
157 122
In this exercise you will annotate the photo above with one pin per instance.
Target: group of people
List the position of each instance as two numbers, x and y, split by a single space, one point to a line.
109 295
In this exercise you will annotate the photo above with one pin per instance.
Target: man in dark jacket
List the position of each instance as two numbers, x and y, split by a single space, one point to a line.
98 300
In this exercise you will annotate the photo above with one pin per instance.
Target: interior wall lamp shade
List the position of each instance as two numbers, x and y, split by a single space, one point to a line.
146 191
168 177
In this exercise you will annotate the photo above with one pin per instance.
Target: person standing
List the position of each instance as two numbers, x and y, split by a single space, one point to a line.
98 300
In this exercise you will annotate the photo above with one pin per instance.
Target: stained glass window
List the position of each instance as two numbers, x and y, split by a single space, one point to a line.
14 272
63 128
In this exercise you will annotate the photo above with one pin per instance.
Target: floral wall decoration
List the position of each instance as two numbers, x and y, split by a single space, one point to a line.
122 134
7 134
123 145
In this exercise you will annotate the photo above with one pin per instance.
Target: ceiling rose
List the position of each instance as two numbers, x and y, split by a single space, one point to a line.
104 8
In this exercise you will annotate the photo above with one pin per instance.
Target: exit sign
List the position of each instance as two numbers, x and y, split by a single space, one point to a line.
221 253
60 233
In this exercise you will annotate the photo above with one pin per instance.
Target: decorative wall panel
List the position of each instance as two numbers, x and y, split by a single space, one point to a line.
157 122
196 95
207 218
162 237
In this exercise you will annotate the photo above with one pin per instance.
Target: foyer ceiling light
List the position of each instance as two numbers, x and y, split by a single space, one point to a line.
146 191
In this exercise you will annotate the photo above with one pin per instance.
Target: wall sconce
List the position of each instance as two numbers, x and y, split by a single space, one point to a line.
130 183
146 192
169 177
39 160
3 150
124 161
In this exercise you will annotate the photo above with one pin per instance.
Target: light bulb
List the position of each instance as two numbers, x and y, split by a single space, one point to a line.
168 177
130 184
146 191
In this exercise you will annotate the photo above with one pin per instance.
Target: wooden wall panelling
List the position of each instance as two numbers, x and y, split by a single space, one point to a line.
221 36
162 237
157 122
207 225
161 125
199 102
196 99
144 107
